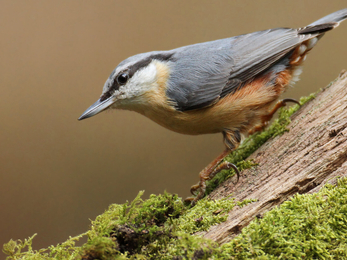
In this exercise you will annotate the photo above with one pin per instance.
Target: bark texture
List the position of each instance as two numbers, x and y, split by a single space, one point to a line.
312 153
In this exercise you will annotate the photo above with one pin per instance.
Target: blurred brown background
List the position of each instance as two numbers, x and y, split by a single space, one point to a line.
56 173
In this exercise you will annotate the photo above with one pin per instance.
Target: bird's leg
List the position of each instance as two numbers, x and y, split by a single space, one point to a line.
205 174
232 139
266 118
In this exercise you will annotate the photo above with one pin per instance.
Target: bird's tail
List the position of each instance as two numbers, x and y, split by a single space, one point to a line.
326 23
336 18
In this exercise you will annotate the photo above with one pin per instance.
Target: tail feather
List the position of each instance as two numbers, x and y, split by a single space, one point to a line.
317 29
325 24
335 18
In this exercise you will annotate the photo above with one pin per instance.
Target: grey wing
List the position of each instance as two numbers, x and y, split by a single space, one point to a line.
203 73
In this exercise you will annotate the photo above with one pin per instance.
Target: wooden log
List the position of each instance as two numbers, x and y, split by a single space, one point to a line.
313 152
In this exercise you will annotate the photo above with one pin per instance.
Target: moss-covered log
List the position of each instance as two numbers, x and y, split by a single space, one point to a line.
311 153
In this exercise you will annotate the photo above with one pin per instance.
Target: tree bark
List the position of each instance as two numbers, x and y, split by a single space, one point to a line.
312 153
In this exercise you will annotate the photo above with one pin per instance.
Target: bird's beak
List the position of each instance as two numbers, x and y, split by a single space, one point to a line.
96 108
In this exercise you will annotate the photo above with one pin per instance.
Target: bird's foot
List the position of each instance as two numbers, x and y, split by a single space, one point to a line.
207 174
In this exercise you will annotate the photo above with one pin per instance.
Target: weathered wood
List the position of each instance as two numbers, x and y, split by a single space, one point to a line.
313 152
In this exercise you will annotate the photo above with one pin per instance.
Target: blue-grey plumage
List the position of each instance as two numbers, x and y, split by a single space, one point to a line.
202 73
230 85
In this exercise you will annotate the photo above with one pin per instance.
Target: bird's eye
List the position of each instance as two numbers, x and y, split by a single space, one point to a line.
122 78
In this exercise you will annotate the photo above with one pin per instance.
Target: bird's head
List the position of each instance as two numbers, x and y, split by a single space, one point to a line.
131 81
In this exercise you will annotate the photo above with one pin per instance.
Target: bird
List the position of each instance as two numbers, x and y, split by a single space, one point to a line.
230 86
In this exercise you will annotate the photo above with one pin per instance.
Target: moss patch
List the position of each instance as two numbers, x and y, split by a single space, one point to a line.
160 227
310 226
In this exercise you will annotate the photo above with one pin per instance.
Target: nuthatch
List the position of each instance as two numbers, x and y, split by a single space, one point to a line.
230 86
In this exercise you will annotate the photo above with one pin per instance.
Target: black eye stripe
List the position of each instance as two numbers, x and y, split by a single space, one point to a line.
105 96
144 62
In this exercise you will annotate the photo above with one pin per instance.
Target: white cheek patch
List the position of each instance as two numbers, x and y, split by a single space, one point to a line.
141 82
147 75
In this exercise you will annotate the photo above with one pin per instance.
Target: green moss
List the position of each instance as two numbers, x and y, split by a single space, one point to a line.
245 202
23 250
204 214
310 226
159 227
253 142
